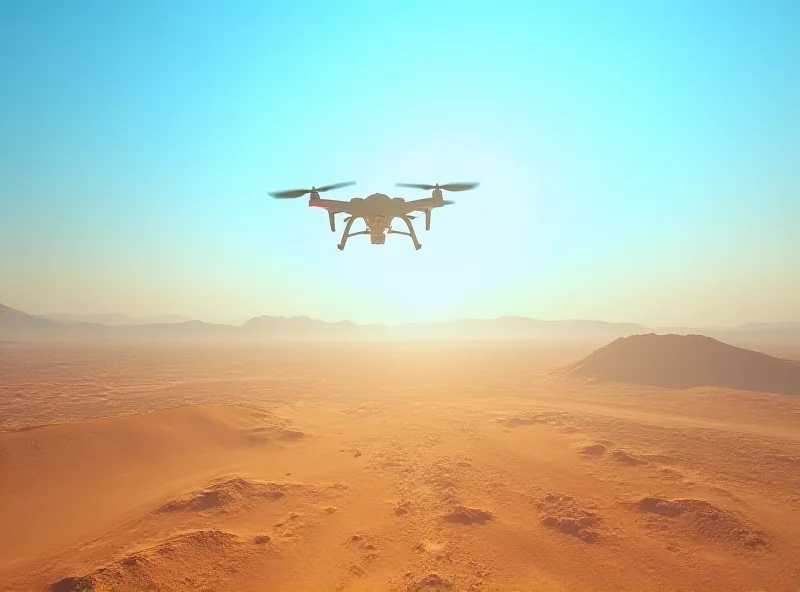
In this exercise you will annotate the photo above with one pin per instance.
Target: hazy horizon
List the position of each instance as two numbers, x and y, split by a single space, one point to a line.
176 318
638 163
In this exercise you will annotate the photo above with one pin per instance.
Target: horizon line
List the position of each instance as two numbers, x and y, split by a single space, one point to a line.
385 324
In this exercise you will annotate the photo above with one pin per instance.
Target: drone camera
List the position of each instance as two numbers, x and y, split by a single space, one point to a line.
378 239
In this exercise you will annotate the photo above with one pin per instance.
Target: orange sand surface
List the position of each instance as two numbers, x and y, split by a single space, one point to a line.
387 467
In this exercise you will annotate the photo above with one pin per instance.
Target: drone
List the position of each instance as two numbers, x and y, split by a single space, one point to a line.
377 210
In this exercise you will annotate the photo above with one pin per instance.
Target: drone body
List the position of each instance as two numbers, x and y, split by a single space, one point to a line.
377 210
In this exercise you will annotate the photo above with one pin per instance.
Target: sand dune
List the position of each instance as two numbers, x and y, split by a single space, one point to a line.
180 561
224 494
481 474
686 361
565 515
703 520
85 474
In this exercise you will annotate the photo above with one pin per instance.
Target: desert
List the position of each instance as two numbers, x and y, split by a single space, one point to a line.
481 465
400 297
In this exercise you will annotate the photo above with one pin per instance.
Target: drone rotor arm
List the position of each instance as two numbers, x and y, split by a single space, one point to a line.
420 205
332 205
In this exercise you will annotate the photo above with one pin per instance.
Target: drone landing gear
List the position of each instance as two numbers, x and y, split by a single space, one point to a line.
417 246
346 236
410 232
346 233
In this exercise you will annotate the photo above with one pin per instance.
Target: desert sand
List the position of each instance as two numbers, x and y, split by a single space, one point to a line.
471 466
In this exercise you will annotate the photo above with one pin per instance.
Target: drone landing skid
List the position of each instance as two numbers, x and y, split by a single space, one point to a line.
347 234
417 246
340 246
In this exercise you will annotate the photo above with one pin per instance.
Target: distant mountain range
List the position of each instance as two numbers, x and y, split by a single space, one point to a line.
16 325
114 319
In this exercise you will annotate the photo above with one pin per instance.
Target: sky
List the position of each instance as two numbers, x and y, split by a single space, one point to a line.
638 161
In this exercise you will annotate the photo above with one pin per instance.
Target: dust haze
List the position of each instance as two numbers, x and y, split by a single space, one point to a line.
481 465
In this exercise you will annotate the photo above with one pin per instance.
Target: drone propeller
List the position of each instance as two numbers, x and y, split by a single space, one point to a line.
446 187
293 193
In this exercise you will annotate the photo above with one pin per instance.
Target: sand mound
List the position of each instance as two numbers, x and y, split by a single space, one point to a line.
465 515
291 434
593 450
551 418
188 560
686 361
703 520
402 508
224 493
628 459
431 583
562 513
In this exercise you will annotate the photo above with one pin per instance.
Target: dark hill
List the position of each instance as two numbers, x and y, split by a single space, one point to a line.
686 361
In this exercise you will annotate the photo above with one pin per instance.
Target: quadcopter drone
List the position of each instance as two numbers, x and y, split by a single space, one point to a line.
378 210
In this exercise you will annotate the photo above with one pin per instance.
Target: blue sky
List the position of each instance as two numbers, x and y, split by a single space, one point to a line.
639 161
